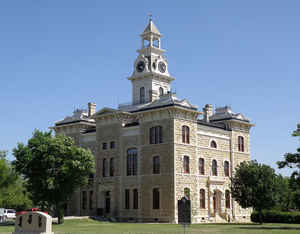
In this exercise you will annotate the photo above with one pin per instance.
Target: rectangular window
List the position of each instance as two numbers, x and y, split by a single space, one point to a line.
135 199
156 165
152 135
84 200
104 167
155 197
91 200
132 163
111 167
112 144
104 145
127 199
156 135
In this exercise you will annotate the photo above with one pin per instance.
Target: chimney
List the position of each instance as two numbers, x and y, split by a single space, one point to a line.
92 108
207 112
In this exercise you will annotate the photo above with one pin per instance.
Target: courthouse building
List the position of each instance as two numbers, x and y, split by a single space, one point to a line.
157 149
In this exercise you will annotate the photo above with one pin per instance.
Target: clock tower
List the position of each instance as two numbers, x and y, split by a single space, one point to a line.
150 78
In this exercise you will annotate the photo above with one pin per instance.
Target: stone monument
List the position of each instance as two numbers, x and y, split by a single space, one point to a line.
33 223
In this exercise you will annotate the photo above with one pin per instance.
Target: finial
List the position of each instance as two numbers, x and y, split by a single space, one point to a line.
150 16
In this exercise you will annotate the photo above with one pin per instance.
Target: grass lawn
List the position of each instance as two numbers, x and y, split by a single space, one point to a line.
88 226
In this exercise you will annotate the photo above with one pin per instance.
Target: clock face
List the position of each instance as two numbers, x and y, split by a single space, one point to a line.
162 67
140 66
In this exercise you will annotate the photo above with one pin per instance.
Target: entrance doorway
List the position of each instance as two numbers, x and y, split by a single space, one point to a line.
216 199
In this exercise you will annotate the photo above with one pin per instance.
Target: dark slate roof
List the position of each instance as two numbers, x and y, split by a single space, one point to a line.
210 124
157 107
89 130
131 124
72 122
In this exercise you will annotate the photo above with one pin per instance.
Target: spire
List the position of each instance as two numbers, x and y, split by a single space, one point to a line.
151 34
151 28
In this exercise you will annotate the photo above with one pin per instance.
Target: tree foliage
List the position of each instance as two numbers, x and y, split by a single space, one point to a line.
283 194
13 193
292 160
254 185
54 169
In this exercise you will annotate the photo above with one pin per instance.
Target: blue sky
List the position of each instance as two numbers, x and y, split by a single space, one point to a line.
59 55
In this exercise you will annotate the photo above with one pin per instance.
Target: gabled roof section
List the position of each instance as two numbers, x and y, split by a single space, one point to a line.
151 28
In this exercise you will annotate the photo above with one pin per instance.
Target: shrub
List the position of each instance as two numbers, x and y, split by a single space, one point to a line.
272 216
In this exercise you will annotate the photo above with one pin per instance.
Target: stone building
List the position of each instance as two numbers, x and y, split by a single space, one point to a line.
157 149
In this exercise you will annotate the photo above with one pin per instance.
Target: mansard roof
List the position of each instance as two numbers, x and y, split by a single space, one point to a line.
225 113
210 124
79 115
103 111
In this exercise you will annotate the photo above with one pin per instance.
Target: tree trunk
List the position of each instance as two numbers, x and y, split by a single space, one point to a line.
60 215
260 217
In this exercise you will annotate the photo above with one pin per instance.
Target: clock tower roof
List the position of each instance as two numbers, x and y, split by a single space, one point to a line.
151 29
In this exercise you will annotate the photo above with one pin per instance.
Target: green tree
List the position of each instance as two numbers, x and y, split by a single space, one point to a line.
13 193
7 174
284 193
54 169
15 196
254 185
292 160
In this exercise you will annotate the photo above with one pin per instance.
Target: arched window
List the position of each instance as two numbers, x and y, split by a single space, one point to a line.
214 168
201 166
156 165
111 167
227 199
161 91
132 161
155 135
142 95
186 164
241 144
104 167
202 198
213 144
226 168
155 198
187 193
185 134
